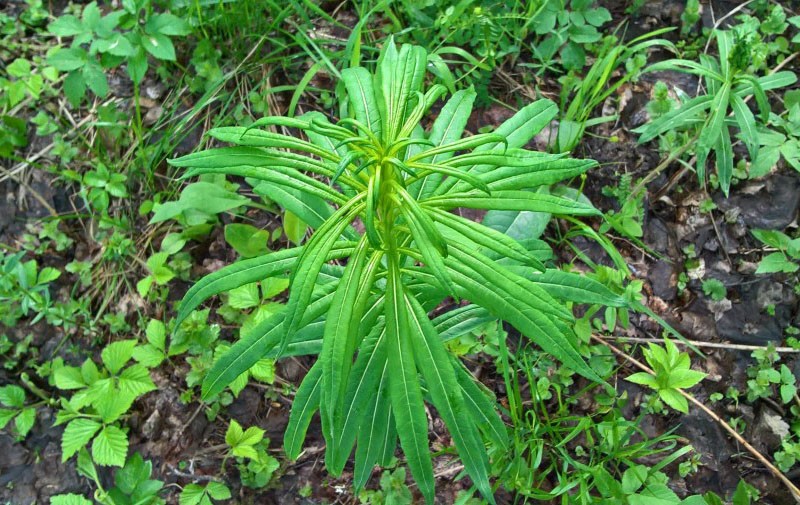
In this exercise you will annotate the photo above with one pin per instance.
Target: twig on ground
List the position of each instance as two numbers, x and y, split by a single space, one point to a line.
193 476
727 427
715 345
30 190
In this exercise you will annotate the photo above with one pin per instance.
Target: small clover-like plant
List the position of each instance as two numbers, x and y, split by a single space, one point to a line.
368 320
101 397
672 372
103 41
249 447
13 406
195 494
787 257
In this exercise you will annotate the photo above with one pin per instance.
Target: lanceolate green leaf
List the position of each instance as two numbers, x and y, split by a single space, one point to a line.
362 97
339 341
260 138
448 127
404 389
577 288
312 210
376 432
509 282
517 130
261 341
245 272
443 387
724 153
481 407
400 74
719 110
252 156
486 237
429 241
747 125
309 264
321 140
525 317
673 119
281 176
305 403
513 200
363 385
532 175
457 322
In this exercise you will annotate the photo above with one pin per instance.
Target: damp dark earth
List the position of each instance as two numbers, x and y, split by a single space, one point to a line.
399 252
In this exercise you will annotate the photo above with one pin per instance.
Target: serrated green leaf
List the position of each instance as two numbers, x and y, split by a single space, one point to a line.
776 262
674 399
69 499
135 380
645 379
218 491
684 378
6 415
116 354
244 297
24 421
12 396
68 377
66 60
77 435
192 494
66 26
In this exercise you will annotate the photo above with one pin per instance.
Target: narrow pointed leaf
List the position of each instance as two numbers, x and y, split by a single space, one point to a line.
259 138
309 264
577 288
305 403
339 340
246 272
481 405
448 127
375 430
404 388
514 200
487 237
440 377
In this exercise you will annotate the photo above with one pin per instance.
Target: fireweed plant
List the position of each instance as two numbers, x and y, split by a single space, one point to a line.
380 356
